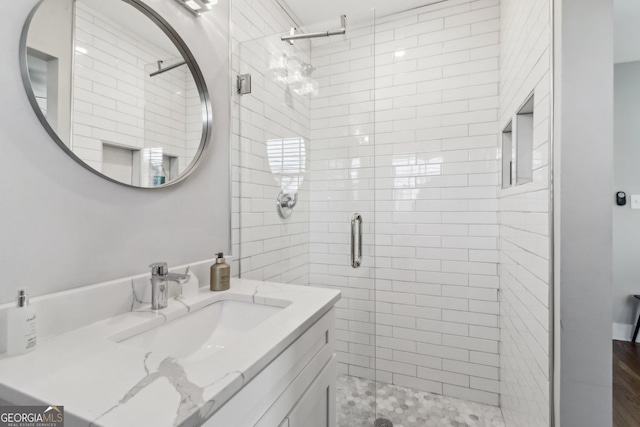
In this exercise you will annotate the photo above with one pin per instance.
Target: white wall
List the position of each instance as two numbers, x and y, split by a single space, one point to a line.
525 68
626 222
583 193
64 227
626 45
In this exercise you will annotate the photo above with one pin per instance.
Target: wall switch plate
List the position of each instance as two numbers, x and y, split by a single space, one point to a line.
635 202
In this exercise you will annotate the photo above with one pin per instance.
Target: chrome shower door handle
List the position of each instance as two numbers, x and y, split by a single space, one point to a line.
356 261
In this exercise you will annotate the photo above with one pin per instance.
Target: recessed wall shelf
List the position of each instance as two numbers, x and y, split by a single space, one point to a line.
135 166
524 142
508 150
517 147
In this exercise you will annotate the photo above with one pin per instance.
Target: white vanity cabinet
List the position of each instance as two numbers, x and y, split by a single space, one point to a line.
258 355
316 407
297 389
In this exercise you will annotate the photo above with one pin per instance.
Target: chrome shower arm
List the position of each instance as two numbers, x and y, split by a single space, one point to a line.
343 30
169 68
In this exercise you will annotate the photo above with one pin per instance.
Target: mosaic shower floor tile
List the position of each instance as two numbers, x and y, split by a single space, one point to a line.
407 408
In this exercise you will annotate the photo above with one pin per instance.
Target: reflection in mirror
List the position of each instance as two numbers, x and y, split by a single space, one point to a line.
116 90
50 63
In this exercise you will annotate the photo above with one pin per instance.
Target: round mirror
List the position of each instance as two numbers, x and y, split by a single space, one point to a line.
117 89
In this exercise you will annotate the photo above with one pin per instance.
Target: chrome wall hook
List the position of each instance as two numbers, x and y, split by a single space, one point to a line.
285 204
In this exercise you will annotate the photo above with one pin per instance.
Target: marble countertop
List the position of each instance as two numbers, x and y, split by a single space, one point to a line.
102 383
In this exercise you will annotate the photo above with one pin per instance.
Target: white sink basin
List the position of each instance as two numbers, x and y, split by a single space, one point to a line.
197 335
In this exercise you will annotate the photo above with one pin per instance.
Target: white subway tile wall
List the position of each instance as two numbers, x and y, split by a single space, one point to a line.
404 130
343 183
524 220
271 136
117 103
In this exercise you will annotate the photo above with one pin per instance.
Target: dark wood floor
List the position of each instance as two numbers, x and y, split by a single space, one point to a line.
626 384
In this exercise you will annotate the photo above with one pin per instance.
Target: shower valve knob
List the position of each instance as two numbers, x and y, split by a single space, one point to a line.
285 204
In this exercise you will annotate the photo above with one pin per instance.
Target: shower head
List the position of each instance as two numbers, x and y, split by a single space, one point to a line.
294 73
307 69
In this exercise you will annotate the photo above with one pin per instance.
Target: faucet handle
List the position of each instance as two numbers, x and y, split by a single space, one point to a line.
159 269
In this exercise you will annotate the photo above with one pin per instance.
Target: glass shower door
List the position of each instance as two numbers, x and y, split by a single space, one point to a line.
271 160
304 214
342 251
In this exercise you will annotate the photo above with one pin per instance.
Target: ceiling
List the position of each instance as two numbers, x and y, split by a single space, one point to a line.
323 15
626 30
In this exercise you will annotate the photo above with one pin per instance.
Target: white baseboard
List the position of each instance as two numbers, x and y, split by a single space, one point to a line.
622 331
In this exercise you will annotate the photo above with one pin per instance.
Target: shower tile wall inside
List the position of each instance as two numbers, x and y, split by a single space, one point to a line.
404 129
524 220
272 155
342 182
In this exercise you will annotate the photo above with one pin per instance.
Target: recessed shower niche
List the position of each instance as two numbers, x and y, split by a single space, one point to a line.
508 156
517 147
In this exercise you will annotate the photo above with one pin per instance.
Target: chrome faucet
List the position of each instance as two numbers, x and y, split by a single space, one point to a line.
160 278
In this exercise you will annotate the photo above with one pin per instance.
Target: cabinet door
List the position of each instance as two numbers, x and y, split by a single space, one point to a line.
316 407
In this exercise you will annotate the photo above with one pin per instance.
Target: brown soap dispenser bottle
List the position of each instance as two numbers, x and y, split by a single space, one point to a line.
220 274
